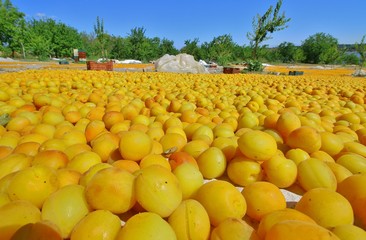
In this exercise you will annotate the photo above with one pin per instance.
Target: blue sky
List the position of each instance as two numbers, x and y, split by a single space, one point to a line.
186 20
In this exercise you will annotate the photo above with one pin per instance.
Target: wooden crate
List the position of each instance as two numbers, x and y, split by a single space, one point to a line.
295 73
230 70
105 66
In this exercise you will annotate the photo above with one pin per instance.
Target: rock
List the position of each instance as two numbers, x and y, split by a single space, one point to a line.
359 73
6 59
181 63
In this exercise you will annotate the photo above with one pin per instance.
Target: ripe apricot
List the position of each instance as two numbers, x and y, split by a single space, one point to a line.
257 194
105 144
178 158
190 220
314 173
327 207
153 159
212 163
228 146
38 230
280 171
305 138
248 120
67 176
5 151
223 192
353 162
70 197
195 147
13 163
112 117
157 190
339 171
274 217
28 148
354 190
297 155
233 229
349 232
83 161
287 122
331 143
134 145
93 129
243 171
18 213
111 189
257 145
144 225
190 179
33 184
300 230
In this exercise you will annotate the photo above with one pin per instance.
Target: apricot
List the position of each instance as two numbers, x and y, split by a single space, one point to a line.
229 202
257 195
157 190
117 194
190 220
144 225
257 145
295 229
327 207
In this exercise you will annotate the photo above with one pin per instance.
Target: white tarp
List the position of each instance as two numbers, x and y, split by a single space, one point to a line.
181 63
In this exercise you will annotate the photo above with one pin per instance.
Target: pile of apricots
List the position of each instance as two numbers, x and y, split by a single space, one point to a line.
148 155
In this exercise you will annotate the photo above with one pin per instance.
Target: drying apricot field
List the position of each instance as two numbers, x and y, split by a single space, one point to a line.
146 155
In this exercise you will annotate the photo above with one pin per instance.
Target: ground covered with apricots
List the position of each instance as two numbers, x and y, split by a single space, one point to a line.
147 155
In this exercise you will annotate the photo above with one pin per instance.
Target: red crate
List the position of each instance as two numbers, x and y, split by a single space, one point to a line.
230 70
105 66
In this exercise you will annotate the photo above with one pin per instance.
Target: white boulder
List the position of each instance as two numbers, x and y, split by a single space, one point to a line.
181 63
359 73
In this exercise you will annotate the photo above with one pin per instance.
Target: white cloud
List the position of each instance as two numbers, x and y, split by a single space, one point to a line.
43 15
40 15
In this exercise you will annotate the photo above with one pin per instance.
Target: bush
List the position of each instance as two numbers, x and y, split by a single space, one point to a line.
254 66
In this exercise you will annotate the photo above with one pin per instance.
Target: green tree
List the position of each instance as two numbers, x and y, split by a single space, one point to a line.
120 48
270 22
101 36
289 53
137 38
191 47
167 47
349 58
21 36
88 44
60 39
10 20
39 42
64 40
320 48
221 49
39 46
361 49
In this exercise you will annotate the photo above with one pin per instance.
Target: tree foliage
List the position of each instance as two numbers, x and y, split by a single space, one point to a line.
191 47
101 37
289 53
320 48
361 49
45 38
270 22
10 21
221 49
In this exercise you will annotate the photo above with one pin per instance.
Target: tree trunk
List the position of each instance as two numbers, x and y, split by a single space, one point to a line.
23 50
